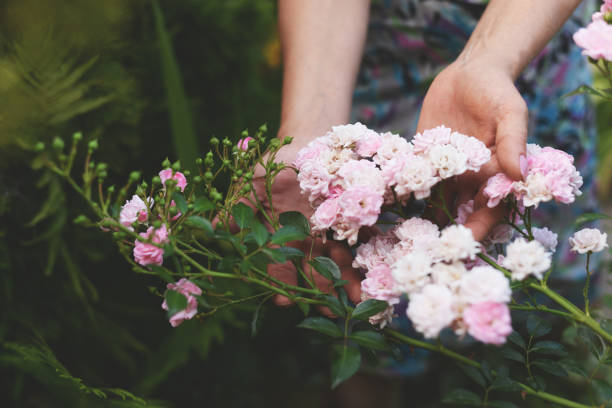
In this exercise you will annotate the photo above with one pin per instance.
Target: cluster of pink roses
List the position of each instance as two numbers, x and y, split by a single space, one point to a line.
446 285
596 38
136 211
548 174
352 171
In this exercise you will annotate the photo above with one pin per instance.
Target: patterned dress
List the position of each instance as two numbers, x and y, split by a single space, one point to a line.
410 41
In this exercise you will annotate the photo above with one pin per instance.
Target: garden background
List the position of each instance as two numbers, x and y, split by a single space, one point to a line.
148 79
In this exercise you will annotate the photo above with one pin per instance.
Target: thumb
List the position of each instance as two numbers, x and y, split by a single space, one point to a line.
511 141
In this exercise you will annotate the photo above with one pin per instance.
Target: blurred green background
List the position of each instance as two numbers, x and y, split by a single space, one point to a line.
148 79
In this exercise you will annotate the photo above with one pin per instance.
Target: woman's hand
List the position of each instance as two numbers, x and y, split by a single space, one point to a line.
477 99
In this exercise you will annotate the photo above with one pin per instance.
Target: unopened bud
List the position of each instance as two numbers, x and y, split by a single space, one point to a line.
263 128
197 179
156 181
93 145
173 210
245 133
39 147
81 220
287 140
198 161
77 137
176 166
227 142
110 189
57 144
166 164
275 143
214 141
157 224
208 176
134 176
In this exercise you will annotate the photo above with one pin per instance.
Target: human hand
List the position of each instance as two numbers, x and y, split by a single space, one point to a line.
477 99
286 196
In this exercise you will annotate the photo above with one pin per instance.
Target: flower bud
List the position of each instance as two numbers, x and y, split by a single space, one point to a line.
245 133
57 144
92 165
246 188
157 224
187 268
243 144
287 140
110 189
226 162
248 175
77 137
197 179
208 176
101 167
198 161
190 206
263 128
62 157
239 172
39 147
144 185
186 173
235 179
608 17
209 161
134 176
170 183
214 141
119 235
102 174
166 164
107 223
275 143
93 145
173 210
82 220
227 142
176 166
156 181
280 166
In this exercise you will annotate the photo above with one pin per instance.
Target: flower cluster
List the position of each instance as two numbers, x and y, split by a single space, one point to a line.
352 171
446 285
548 174
136 212
596 38
188 289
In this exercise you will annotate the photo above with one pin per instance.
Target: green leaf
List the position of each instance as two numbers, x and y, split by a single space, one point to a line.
195 221
474 374
287 234
326 267
335 305
179 200
369 339
260 233
485 368
276 255
176 302
588 217
516 338
295 219
369 308
304 307
202 204
537 327
573 367
503 382
512 354
603 389
322 325
243 215
549 347
181 122
291 253
162 272
550 366
345 362
462 397
256 315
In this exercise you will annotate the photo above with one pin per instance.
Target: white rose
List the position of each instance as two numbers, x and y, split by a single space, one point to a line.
411 272
589 240
456 242
524 258
447 160
482 284
448 275
431 310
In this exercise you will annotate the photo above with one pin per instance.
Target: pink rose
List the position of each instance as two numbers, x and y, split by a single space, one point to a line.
488 322
431 137
360 205
379 284
369 144
498 187
325 215
149 254
134 210
188 289
243 144
167 174
464 211
596 40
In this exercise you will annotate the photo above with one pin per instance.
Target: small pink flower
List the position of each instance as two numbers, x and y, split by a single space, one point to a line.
189 290
369 144
464 211
166 174
379 284
325 215
437 136
488 322
360 205
243 144
498 187
149 254
134 210
596 40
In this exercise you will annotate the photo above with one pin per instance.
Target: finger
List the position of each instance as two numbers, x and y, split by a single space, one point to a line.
482 221
511 141
286 273
343 257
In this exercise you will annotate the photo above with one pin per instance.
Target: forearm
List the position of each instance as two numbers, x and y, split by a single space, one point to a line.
511 33
322 43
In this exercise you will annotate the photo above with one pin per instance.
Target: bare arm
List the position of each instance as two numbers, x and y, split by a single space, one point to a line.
476 94
322 42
